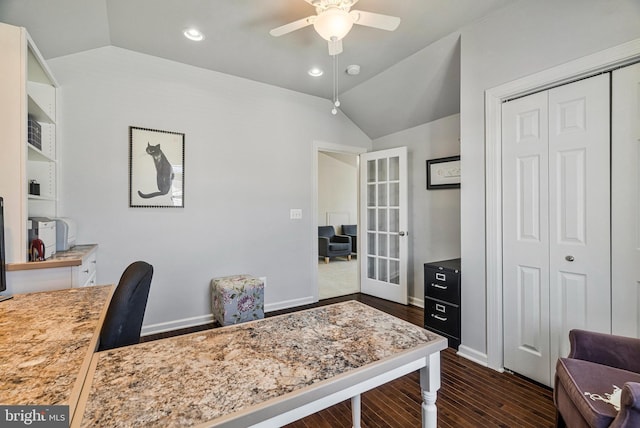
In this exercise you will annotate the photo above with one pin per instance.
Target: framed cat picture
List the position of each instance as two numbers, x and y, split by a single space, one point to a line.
156 168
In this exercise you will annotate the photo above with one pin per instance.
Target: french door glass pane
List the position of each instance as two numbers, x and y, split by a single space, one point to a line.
371 243
382 219
394 194
394 271
382 270
394 169
382 245
394 246
371 195
382 170
394 220
382 194
371 171
371 267
371 220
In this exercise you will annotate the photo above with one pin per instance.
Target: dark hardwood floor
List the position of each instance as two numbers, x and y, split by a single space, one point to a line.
470 396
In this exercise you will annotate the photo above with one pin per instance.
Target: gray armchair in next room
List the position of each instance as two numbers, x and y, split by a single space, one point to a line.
351 230
332 245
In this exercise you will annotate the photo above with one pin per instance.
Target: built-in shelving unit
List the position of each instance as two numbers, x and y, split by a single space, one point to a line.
29 91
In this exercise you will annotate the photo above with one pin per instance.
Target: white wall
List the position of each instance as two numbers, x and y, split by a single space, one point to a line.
514 42
434 219
248 157
337 188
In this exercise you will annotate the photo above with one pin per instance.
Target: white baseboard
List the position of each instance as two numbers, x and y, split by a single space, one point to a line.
473 355
206 319
176 324
286 304
414 301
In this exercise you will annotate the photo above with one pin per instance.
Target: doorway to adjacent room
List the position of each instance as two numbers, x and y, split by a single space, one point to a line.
337 206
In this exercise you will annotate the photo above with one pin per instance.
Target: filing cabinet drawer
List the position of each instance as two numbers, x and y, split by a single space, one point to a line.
442 285
442 317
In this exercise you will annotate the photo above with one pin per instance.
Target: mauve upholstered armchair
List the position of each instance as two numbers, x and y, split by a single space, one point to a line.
600 370
332 245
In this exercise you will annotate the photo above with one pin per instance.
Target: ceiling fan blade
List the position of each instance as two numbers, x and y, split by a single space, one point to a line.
335 47
292 26
376 20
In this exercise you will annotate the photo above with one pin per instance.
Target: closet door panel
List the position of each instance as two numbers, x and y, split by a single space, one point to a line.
526 236
579 218
625 197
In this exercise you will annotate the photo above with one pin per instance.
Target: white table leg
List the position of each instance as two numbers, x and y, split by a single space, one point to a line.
429 384
355 411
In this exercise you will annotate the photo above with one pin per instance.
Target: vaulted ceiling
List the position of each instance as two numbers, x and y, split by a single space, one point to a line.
408 77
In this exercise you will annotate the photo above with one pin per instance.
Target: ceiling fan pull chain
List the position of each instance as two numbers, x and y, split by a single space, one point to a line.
336 102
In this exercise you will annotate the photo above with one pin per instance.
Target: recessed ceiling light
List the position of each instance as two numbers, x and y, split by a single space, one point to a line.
315 72
193 34
353 70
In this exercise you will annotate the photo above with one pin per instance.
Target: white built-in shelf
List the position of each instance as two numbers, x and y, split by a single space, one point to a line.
38 112
41 198
37 155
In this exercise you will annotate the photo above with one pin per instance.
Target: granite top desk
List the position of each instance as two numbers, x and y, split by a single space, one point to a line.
262 373
47 340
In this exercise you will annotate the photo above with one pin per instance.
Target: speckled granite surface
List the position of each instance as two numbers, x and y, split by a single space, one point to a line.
187 380
44 339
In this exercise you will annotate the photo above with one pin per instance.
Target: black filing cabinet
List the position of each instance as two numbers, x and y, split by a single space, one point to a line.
442 299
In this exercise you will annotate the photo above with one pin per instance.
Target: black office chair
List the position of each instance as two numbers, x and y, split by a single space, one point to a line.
123 322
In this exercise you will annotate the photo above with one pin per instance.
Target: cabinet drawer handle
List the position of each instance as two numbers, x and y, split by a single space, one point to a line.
442 287
438 317
94 261
441 277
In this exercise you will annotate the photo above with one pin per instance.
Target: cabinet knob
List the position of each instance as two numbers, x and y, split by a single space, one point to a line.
86 271
569 258
401 233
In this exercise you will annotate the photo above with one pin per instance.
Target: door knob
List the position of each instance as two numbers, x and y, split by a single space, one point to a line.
569 258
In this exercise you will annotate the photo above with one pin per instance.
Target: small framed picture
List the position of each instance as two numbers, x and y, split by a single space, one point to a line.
156 168
443 173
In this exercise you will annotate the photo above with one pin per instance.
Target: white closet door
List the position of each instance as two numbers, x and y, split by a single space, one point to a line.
579 218
556 222
525 147
625 210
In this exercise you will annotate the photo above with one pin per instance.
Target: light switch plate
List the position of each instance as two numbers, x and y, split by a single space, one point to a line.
295 214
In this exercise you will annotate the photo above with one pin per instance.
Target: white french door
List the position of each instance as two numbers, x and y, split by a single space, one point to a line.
383 246
556 222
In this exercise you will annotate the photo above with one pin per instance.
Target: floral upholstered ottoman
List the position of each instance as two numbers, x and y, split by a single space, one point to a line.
237 298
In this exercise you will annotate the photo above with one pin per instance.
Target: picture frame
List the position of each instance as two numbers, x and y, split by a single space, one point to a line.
443 173
156 168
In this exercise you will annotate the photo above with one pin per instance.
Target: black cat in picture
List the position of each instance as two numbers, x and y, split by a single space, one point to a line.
164 172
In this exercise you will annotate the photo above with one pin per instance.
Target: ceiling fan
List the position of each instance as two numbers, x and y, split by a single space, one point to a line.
334 20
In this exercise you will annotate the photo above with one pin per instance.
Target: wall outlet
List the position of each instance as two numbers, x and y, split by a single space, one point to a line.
295 214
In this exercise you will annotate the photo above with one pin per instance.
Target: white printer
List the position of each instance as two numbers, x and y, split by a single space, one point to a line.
45 229
65 233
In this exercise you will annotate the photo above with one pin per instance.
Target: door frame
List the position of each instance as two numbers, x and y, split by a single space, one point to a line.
323 146
590 65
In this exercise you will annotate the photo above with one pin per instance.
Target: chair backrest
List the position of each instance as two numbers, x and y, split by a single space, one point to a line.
123 322
349 229
326 231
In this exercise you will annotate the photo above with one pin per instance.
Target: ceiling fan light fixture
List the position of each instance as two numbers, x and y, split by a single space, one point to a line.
193 34
333 23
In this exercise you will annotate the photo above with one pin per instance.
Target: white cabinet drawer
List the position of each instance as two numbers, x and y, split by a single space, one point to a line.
85 274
